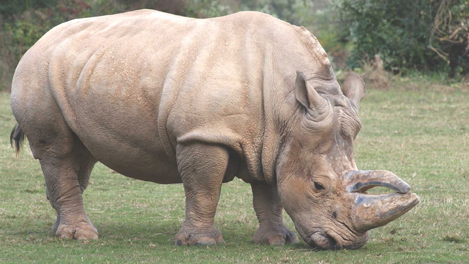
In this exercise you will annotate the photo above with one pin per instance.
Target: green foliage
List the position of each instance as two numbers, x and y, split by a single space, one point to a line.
10 8
297 12
398 31
170 6
16 37
22 23
326 27
408 34
206 8
24 33
450 34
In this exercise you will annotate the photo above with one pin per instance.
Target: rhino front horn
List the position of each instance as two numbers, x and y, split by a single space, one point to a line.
371 211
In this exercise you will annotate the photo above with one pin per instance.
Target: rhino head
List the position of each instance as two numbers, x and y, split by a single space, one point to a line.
318 181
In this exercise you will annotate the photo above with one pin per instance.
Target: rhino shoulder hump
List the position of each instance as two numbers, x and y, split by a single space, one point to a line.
313 45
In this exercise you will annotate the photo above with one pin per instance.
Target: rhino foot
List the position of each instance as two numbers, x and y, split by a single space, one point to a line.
277 236
79 231
192 236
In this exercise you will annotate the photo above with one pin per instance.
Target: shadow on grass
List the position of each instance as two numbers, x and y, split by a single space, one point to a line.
163 233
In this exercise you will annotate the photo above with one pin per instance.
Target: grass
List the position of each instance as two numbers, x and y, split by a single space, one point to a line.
417 129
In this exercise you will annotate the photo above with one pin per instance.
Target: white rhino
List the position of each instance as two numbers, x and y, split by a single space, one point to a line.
170 99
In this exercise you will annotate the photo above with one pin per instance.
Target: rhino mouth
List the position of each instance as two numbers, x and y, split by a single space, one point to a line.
321 240
331 240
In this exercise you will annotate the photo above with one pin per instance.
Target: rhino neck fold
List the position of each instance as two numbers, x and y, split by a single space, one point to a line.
271 135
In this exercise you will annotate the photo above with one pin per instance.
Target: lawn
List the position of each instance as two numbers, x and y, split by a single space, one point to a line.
416 129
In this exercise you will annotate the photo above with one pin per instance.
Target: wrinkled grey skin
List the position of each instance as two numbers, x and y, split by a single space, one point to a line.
169 99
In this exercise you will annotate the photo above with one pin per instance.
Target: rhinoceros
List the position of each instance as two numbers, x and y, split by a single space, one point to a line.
169 99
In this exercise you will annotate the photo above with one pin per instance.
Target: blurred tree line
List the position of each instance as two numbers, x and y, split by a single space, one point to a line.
426 35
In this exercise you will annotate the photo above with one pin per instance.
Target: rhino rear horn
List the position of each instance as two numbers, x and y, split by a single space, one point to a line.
354 88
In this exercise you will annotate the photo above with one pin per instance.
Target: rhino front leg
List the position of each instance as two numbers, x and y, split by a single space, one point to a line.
268 209
202 168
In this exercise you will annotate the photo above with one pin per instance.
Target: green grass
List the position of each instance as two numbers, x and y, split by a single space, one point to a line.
418 130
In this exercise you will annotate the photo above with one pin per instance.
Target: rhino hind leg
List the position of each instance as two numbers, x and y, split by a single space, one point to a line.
66 179
66 164
269 213
65 161
202 168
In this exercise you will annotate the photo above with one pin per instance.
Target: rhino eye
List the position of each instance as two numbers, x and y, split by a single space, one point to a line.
318 186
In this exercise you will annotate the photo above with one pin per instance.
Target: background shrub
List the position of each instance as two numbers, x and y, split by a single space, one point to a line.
406 34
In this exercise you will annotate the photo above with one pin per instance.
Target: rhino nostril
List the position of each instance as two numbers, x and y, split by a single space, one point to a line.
334 244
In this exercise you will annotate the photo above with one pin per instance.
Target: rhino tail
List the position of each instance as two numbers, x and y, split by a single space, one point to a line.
17 135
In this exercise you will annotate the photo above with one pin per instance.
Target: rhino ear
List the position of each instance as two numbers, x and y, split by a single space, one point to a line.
307 95
354 88
300 89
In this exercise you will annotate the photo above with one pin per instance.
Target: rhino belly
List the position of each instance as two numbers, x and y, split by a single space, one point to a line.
125 138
